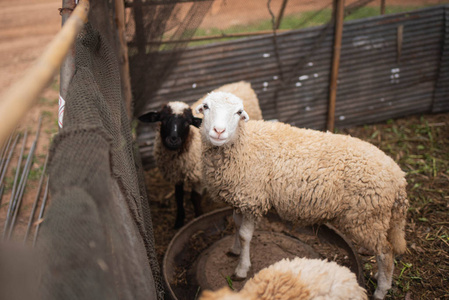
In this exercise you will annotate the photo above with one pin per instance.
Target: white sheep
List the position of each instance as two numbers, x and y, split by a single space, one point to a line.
177 145
299 278
307 176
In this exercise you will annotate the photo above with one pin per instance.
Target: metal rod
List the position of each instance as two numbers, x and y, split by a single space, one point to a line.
23 180
5 168
281 14
214 37
18 99
16 177
399 39
41 213
2 189
36 199
339 10
4 151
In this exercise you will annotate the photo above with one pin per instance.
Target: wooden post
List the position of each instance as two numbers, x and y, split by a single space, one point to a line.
339 10
281 14
382 7
19 98
123 56
140 27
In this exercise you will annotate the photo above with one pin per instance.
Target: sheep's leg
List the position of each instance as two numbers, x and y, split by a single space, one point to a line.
236 247
245 233
180 214
385 264
195 198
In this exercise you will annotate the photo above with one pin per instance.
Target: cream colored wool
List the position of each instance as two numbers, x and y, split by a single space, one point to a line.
184 165
310 177
307 176
243 90
299 278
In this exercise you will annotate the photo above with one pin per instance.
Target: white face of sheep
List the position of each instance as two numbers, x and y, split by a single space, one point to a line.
222 114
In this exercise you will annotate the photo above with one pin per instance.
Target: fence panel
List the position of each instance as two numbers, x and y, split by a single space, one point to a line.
391 66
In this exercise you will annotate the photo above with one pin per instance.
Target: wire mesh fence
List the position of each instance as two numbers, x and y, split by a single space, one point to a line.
94 240
390 66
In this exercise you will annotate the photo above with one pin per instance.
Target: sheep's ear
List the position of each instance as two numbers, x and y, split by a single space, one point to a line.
199 109
197 122
244 116
150 117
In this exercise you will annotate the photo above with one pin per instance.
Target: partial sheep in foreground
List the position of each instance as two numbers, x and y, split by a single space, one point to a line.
307 176
299 278
177 145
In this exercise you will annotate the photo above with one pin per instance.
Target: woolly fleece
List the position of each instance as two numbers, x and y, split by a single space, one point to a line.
300 278
243 90
184 165
310 177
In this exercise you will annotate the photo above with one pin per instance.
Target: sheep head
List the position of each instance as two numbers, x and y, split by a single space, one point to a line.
176 118
222 115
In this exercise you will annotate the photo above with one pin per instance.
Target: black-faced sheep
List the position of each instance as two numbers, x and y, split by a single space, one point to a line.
176 149
307 176
177 146
296 279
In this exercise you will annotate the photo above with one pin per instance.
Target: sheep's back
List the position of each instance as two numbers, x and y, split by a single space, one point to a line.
323 279
303 173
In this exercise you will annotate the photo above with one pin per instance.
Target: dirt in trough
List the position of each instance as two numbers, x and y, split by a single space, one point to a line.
204 261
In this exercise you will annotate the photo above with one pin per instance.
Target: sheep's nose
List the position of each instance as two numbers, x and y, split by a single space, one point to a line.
173 139
219 130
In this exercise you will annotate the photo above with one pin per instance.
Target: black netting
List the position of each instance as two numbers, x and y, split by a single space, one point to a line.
97 236
151 61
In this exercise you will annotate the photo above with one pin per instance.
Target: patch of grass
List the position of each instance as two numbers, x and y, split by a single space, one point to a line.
296 21
47 101
55 84
9 180
419 145
229 282
35 172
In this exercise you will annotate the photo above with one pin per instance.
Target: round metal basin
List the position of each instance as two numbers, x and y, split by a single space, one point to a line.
196 258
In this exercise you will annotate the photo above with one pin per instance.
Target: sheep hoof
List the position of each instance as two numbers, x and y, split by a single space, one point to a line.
235 277
379 295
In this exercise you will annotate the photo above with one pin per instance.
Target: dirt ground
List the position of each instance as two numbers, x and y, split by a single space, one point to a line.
27 26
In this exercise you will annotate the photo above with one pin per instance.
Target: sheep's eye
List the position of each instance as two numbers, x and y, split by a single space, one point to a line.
240 112
205 106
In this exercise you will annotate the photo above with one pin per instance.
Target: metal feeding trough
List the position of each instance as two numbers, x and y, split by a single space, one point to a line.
196 258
